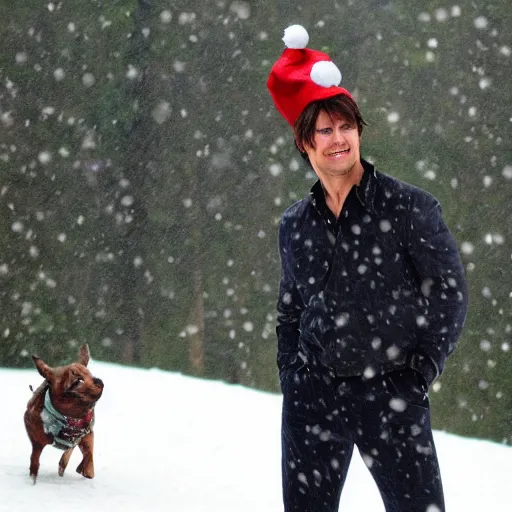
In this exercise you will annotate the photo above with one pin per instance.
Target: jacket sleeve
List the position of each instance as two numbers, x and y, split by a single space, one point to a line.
444 300
289 306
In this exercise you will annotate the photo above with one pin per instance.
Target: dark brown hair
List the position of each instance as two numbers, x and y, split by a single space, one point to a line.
335 106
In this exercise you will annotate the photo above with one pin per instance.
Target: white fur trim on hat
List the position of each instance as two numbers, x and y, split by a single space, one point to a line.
325 73
296 36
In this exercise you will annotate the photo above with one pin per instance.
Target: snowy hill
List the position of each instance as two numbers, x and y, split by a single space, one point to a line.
166 442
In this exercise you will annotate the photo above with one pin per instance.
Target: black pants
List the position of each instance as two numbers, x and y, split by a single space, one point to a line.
386 417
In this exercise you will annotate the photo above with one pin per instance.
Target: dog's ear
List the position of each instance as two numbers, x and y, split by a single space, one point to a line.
43 369
84 355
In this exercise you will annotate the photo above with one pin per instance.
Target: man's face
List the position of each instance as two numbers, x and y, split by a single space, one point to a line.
336 146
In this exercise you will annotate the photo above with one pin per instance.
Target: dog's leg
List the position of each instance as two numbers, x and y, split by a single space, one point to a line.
86 467
34 460
63 462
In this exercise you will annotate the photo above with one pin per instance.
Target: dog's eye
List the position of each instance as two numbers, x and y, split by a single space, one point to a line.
76 383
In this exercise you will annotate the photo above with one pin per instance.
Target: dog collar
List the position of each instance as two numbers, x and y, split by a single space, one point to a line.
67 432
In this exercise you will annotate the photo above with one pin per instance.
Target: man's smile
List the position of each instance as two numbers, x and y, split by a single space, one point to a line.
338 152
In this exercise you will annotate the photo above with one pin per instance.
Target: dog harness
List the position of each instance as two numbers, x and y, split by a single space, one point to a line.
67 432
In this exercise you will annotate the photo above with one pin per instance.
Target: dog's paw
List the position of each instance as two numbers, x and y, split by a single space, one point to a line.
87 472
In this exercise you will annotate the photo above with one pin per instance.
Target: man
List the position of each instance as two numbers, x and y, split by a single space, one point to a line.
372 300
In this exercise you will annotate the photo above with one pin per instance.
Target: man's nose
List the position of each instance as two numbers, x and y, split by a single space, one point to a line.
339 136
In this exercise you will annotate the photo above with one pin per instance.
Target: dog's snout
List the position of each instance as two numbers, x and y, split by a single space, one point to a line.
97 382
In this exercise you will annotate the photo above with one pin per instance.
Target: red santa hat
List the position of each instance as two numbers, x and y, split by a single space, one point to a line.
302 75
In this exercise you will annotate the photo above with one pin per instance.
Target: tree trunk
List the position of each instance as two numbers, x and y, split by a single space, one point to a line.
196 343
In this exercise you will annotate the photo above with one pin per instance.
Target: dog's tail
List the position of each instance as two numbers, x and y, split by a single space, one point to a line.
36 394
42 387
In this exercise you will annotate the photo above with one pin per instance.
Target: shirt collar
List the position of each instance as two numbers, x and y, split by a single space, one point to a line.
364 191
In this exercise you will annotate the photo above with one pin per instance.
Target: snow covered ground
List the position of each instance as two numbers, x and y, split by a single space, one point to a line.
166 442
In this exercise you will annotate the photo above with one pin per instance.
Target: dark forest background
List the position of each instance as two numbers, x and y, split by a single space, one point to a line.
144 169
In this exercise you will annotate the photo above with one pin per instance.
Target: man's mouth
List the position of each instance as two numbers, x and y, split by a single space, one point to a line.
338 152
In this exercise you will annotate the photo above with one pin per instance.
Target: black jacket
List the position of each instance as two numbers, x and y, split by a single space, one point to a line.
380 288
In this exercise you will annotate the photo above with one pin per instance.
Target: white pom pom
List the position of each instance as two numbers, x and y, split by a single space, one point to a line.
296 36
325 73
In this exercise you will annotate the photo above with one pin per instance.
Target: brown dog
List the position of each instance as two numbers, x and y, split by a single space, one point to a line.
61 413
